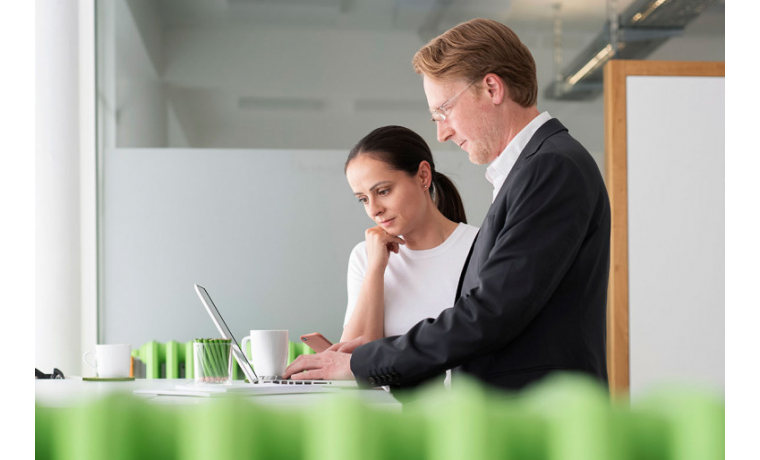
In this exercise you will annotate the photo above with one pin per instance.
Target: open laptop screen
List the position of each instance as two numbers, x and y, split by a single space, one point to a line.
237 352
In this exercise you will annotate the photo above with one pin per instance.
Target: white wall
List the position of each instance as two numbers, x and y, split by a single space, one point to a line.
65 186
57 178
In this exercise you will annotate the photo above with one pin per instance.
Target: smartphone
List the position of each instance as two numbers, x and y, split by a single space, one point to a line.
316 341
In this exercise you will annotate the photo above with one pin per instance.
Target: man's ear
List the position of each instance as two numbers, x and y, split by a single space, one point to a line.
496 88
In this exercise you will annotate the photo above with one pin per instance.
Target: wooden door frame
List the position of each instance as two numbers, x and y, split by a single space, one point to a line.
616 178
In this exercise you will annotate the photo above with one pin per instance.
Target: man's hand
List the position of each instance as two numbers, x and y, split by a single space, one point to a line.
328 365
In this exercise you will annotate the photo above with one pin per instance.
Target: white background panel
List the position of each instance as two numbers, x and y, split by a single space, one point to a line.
676 208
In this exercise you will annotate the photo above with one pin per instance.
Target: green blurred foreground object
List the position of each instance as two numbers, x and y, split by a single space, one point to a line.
566 417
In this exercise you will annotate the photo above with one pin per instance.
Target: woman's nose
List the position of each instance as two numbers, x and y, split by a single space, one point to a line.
374 209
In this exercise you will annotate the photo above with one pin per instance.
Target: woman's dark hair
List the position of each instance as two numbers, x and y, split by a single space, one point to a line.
403 150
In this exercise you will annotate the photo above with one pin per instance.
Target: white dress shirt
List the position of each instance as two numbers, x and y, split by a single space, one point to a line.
498 170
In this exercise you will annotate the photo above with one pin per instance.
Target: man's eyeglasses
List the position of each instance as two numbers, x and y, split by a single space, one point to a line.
441 112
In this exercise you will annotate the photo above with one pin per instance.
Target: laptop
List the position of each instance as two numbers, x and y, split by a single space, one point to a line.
242 360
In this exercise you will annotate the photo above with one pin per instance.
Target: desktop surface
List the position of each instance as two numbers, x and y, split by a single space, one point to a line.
74 391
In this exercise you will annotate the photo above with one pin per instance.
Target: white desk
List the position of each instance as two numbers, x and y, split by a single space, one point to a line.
74 391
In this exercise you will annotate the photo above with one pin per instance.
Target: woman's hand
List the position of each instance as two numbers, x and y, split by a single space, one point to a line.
350 346
379 247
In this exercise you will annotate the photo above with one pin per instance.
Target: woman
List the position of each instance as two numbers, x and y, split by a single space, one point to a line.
408 267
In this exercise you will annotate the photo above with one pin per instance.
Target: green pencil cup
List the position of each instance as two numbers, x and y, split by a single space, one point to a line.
212 360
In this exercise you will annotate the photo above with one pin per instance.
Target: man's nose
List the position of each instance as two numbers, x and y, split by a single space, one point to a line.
444 131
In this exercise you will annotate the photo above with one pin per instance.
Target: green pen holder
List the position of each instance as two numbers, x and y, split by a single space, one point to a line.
212 361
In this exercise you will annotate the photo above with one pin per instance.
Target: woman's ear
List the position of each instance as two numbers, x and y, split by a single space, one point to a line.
424 174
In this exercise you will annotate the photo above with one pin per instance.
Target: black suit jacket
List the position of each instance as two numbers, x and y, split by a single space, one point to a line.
532 297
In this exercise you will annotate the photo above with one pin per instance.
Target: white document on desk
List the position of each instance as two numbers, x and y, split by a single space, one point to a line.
237 389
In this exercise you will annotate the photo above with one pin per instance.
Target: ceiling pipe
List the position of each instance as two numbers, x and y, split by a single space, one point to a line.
635 34
557 42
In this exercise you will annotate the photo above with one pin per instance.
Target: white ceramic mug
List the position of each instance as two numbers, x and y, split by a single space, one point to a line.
269 352
111 360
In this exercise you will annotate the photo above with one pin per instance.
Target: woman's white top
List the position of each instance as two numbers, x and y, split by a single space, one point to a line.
418 284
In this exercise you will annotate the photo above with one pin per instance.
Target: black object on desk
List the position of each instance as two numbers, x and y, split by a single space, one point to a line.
57 374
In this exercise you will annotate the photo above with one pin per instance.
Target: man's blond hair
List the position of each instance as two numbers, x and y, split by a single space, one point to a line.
478 47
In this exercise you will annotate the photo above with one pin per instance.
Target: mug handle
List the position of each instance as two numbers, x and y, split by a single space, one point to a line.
84 358
242 344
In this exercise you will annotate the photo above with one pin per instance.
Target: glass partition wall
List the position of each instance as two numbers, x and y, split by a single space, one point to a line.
223 127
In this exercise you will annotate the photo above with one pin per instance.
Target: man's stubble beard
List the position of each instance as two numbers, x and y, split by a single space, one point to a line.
483 153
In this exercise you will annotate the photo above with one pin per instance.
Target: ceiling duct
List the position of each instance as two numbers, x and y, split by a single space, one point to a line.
640 30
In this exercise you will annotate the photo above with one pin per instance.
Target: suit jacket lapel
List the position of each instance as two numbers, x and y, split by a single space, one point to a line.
465 267
472 264
548 129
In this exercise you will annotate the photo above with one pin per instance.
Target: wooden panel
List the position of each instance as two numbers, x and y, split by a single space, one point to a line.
617 186
616 176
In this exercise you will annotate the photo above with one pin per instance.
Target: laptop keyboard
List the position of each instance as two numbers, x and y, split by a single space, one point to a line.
295 382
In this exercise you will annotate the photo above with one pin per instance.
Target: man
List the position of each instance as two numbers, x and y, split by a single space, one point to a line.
532 296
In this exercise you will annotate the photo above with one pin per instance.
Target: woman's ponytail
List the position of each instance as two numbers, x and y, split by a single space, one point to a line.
447 199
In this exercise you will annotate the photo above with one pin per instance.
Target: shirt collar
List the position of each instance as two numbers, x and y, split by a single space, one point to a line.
499 169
